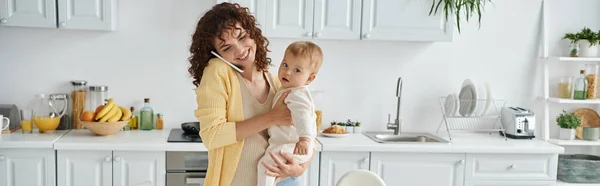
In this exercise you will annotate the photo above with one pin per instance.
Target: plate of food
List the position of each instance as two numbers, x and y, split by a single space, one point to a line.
335 131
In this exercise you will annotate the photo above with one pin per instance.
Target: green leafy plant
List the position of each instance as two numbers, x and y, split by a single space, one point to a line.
587 34
471 9
349 123
568 120
572 36
357 124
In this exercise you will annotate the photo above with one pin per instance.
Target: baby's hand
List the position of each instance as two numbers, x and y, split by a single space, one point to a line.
302 146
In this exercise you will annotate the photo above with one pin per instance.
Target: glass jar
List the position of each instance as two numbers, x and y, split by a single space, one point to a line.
146 116
574 49
45 116
580 87
159 121
317 98
96 97
565 87
592 72
78 99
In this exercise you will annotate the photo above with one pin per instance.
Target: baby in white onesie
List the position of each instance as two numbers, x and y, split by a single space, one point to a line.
301 62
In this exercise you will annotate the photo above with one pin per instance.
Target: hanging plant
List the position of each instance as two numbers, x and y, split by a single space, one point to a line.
470 8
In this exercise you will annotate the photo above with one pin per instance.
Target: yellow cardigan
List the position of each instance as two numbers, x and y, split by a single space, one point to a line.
219 106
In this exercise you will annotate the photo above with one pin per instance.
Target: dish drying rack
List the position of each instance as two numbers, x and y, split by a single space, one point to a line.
472 121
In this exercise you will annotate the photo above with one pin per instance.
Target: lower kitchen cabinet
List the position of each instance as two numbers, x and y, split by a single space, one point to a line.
30 167
110 168
311 175
335 164
419 168
510 183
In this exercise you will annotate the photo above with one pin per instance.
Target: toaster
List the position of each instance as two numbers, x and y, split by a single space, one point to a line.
517 122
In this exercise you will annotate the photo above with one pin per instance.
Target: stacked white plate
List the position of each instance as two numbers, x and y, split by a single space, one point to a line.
472 100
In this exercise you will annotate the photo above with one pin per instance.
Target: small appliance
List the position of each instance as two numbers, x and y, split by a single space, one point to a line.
518 123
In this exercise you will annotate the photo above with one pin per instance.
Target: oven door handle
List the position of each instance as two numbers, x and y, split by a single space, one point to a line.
194 180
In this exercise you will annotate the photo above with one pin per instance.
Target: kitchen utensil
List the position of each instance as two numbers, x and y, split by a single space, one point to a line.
230 64
78 99
4 125
518 123
12 112
334 135
589 118
45 115
489 100
104 128
451 105
468 97
191 127
26 121
61 103
481 94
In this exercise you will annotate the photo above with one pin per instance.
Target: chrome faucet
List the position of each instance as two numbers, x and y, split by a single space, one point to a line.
396 126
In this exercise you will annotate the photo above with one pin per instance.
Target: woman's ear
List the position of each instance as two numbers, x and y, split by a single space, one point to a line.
311 77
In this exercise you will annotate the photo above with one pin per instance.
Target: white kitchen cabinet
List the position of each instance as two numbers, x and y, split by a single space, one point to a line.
256 7
93 168
87 14
311 175
110 168
510 183
419 168
335 164
404 20
31 167
138 168
531 167
337 19
28 13
289 19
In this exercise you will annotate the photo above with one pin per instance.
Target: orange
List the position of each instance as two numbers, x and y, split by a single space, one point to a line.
98 109
87 116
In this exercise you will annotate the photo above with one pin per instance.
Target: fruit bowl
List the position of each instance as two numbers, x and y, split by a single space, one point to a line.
104 128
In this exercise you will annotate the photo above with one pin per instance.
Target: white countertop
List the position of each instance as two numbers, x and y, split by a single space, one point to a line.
461 143
135 140
30 140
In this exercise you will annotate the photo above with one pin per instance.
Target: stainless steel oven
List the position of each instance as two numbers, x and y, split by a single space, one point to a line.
186 168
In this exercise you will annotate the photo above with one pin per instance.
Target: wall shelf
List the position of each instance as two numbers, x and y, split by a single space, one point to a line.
573 101
575 142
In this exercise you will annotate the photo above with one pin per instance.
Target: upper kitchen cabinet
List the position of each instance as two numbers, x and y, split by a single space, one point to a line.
28 13
87 14
337 19
403 20
289 19
256 7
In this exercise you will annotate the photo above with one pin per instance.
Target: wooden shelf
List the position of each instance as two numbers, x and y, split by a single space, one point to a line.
560 183
573 101
575 142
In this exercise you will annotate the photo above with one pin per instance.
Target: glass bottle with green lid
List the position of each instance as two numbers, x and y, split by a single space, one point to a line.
580 88
146 116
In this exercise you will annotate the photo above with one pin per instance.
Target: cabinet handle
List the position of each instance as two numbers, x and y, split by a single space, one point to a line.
318 34
513 166
309 34
107 159
1 158
366 36
63 24
3 21
366 160
462 162
117 159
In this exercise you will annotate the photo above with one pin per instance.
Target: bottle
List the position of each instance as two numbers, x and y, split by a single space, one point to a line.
159 121
146 116
580 86
133 122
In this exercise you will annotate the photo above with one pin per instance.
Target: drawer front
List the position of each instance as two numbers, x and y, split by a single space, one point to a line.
510 183
512 166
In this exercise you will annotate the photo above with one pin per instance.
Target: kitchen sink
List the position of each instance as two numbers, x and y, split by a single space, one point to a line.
388 137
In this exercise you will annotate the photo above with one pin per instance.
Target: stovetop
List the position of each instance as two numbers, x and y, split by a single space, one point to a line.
178 136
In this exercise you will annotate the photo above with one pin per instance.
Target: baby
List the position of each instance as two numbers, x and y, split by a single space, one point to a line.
301 62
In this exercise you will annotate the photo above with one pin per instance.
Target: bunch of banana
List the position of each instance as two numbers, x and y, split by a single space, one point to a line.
111 112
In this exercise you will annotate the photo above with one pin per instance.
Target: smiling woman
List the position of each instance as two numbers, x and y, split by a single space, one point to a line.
234 108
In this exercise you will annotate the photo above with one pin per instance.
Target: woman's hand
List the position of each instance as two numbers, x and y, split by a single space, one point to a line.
281 114
289 169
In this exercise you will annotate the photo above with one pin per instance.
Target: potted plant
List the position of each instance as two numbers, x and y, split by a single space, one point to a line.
349 126
574 45
357 127
567 122
589 42
470 9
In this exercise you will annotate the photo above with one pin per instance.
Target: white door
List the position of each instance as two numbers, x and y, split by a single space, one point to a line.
311 175
89 168
335 164
511 183
419 169
289 19
404 20
87 14
31 167
133 168
256 7
28 13
337 19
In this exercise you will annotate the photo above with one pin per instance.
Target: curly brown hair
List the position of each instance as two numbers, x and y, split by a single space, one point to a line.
214 22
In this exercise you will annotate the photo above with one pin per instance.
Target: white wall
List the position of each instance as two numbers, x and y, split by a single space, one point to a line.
147 57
